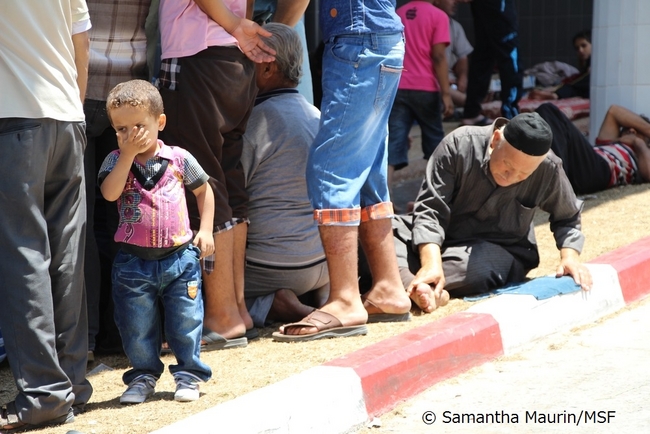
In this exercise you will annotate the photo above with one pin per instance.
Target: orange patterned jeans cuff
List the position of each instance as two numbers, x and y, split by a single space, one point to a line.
353 216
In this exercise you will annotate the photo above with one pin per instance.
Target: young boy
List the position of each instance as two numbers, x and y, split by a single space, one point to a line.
158 256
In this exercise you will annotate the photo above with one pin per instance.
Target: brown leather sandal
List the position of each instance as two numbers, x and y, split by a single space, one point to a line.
328 326
376 314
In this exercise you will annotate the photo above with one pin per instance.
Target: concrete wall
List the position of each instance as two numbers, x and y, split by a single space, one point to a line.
620 67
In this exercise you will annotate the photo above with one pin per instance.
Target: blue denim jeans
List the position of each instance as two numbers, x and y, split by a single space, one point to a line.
347 165
138 285
414 105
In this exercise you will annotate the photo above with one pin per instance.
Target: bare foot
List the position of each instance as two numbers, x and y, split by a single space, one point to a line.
246 317
382 300
424 297
287 308
229 330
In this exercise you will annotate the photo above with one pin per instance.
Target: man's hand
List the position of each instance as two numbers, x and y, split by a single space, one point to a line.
570 266
246 32
447 106
248 35
205 243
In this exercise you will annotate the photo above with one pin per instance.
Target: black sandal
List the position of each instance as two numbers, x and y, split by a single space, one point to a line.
9 420
10 423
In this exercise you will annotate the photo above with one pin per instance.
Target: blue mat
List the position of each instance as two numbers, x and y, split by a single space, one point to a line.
541 288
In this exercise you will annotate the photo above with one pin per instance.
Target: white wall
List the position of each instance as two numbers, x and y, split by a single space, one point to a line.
620 62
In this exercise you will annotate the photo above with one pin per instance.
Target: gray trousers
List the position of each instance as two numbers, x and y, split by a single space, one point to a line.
475 267
42 232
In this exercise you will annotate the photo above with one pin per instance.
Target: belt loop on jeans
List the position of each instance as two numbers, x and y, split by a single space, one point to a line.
375 41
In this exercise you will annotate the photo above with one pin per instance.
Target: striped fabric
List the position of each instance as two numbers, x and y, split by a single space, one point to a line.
622 163
118 44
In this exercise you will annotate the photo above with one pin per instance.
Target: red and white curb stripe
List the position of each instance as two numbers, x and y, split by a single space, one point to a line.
346 392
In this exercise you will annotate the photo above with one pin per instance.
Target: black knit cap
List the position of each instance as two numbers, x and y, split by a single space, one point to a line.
529 133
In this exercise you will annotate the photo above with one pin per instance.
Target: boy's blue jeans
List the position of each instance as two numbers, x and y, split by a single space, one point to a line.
138 285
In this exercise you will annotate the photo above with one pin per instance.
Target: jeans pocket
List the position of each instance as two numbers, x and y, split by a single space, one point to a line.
193 251
346 53
388 81
124 267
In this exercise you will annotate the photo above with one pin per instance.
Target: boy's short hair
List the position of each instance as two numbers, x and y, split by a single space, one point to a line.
136 93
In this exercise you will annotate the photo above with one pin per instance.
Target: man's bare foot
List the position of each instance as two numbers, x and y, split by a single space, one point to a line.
287 307
236 328
246 317
424 297
382 300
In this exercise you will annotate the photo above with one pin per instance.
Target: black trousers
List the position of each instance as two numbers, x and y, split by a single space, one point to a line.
496 35
587 171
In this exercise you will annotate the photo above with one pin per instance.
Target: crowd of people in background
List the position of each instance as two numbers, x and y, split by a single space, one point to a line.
175 146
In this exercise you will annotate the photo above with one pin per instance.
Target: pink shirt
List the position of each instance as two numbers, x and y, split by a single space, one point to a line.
424 26
157 217
186 30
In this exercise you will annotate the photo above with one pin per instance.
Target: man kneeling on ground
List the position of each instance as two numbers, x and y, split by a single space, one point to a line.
284 253
472 228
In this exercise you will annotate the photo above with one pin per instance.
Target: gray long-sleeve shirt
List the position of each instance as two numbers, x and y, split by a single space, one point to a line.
459 200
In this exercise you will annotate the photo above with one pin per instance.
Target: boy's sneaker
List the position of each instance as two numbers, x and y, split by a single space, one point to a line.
141 388
187 387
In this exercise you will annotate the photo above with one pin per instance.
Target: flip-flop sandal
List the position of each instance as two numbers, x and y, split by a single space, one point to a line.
252 334
328 326
10 423
214 341
381 316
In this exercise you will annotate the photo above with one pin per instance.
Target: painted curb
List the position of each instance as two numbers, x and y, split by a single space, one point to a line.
632 263
293 405
403 366
523 318
371 381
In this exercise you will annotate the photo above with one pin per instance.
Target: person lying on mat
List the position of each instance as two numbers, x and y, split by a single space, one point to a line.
621 155
471 230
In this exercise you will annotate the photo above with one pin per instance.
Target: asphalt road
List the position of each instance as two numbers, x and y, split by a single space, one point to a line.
592 380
